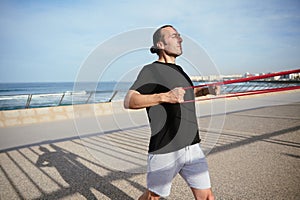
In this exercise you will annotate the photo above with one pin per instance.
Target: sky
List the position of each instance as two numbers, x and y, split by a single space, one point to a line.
50 41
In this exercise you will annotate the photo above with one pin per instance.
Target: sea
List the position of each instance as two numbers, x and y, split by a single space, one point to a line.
43 94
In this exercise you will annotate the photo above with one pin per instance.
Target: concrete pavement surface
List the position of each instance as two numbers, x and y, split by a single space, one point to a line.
252 147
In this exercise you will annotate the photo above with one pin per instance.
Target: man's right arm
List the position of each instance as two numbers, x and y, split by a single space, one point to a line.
136 100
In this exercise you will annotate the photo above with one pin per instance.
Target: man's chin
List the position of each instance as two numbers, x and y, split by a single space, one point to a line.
178 54
175 54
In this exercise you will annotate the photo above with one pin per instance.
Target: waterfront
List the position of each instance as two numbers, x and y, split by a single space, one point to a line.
33 95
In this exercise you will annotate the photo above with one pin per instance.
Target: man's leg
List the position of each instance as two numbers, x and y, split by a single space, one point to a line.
162 168
205 194
195 173
148 195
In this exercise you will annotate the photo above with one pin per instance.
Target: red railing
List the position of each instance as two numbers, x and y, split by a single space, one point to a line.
246 91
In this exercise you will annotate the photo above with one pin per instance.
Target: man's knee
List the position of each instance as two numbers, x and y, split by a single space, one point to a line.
148 195
203 194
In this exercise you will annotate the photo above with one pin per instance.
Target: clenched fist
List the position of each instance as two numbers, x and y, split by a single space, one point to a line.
174 96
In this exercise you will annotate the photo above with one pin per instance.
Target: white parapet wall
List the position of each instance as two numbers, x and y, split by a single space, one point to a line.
49 114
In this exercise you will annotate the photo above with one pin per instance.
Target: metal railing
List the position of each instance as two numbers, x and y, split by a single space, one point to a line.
21 101
230 88
9 102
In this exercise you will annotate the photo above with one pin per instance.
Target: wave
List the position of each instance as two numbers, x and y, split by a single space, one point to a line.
2 98
11 90
76 92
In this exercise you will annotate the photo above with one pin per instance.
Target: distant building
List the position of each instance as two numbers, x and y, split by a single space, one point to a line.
295 76
215 78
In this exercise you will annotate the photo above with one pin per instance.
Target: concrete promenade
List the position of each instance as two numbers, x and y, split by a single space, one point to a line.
252 146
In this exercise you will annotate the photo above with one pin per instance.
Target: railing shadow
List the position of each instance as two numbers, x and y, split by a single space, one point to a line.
52 171
251 139
79 177
29 174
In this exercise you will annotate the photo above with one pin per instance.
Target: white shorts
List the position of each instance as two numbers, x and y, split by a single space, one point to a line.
189 162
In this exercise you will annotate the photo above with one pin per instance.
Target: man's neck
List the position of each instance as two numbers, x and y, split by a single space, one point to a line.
166 59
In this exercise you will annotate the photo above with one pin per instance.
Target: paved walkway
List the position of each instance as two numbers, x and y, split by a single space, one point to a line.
257 156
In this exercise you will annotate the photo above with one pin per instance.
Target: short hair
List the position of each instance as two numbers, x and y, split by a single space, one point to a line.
157 37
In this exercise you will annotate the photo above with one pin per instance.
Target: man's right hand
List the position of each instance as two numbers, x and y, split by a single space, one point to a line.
174 96
135 100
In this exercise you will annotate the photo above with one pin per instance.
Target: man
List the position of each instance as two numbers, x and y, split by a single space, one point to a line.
161 88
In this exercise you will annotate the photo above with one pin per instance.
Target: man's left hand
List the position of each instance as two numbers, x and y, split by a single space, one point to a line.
214 89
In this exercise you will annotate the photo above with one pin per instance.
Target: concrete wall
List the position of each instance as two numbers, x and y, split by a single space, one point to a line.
48 114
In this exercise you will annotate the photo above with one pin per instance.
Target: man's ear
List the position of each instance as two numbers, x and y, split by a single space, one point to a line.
160 45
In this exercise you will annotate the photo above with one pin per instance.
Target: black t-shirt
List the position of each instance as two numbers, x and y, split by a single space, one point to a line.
173 126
